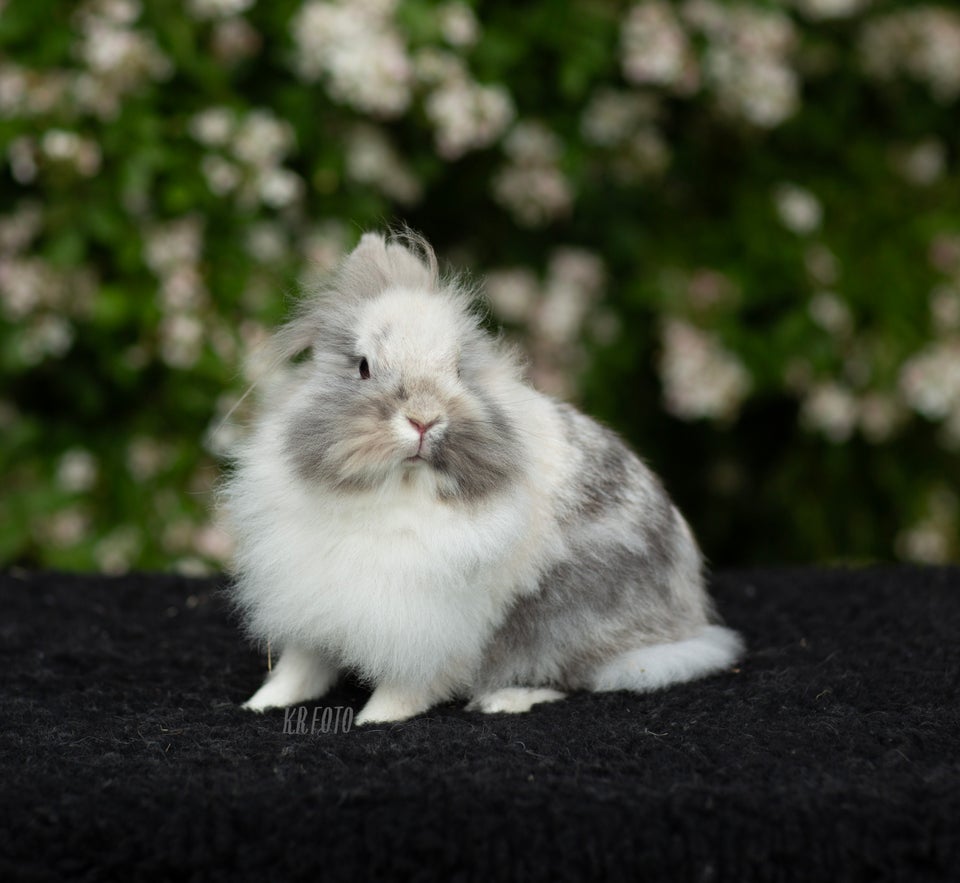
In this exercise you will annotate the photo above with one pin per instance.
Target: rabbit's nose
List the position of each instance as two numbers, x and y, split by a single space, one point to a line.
420 425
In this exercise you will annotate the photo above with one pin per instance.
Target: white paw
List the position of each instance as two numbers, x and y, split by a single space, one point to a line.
275 693
514 700
384 708
297 676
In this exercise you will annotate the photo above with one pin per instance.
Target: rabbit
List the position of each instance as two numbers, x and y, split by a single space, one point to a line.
406 507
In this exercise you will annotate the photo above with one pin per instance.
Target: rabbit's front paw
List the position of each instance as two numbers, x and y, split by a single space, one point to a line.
298 675
390 704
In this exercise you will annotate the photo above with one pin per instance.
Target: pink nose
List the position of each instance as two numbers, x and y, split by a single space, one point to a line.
420 427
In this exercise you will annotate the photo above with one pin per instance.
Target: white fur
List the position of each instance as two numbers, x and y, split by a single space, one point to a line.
392 582
660 665
392 702
299 675
514 700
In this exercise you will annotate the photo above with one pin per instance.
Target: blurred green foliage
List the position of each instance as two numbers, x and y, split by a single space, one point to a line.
730 230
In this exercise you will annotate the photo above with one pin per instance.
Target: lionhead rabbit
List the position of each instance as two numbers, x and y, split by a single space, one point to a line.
408 508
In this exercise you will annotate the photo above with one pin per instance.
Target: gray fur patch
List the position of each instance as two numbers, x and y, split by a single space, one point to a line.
631 575
312 435
481 456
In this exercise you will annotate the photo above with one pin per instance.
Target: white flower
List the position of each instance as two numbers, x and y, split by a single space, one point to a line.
221 175
828 9
534 195
612 117
799 210
932 539
654 47
173 244
181 340
234 39
47 336
922 42
25 93
26 284
467 116
371 159
213 127
625 121
77 471
20 227
182 289
22 153
577 268
279 188
574 281
458 23
70 148
262 139
118 56
121 12
513 293
209 9
533 143
96 94
747 60
66 528
761 91
830 409
700 378
925 543
434 66
267 242
831 313
930 380
708 16
767 94
116 552
13 90
51 336
924 163
945 308
356 48
532 187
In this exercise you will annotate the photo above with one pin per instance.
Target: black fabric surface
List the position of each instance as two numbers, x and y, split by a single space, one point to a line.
832 753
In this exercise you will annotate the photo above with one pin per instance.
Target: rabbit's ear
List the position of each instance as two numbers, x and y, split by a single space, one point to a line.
378 263
363 272
412 261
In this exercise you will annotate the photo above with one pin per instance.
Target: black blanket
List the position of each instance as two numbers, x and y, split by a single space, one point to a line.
831 753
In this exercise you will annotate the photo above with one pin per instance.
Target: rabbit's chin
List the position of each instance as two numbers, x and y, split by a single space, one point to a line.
414 474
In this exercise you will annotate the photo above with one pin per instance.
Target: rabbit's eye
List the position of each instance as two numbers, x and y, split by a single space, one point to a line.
364 369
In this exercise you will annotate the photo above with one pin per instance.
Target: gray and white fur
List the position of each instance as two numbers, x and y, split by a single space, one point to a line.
408 508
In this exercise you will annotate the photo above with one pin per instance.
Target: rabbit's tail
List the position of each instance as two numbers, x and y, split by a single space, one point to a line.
660 665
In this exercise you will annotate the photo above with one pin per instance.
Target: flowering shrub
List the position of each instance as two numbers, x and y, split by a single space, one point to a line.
732 230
